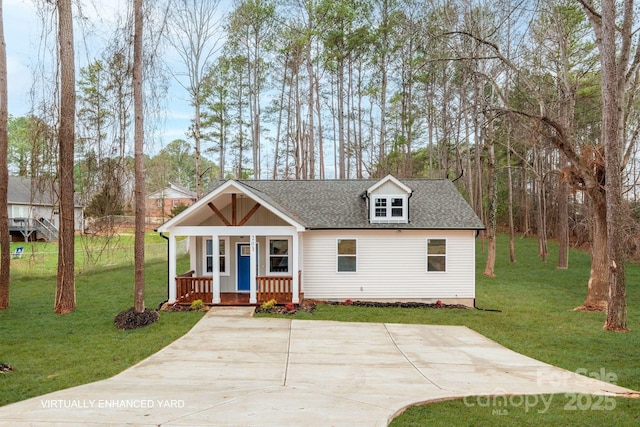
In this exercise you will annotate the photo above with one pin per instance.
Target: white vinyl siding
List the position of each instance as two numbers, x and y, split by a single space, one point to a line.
392 264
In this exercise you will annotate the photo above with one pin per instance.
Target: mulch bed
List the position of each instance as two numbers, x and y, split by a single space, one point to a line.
131 319
398 304
307 306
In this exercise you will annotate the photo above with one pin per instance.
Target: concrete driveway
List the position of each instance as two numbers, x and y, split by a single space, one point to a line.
232 369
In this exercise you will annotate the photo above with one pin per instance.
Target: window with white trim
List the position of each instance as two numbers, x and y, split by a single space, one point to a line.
347 256
278 256
389 209
436 255
223 258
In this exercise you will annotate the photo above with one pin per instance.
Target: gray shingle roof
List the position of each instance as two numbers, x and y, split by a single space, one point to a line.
20 191
338 204
25 191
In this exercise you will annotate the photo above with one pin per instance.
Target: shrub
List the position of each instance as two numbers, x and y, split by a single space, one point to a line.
268 305
197 305
348 302
289 306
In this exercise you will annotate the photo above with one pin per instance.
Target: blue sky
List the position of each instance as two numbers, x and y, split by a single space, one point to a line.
22 29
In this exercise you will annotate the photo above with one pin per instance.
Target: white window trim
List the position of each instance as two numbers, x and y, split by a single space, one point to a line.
446 255
388 219
226 255
338 256
267 255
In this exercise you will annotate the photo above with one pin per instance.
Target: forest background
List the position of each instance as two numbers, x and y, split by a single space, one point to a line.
505 98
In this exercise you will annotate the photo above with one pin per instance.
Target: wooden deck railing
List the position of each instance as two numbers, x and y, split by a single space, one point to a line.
274 287
191 288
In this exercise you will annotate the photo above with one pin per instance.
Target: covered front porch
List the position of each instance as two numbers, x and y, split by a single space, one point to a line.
238 244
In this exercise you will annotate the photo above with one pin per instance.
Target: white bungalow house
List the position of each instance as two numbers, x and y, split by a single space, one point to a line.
376 240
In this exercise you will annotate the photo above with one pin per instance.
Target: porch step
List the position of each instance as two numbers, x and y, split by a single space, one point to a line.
226 311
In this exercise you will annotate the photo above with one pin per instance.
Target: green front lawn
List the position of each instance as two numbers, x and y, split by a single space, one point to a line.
49 352
535 301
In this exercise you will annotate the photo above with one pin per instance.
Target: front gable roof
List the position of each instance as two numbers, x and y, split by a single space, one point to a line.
339 204
222 191
389 179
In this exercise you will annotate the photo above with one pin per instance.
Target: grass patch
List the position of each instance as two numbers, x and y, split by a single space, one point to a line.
559 410
49 352
536 319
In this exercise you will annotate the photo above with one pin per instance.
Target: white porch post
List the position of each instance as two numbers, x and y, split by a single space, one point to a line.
253 294
193 241
172 268
215 249
295 253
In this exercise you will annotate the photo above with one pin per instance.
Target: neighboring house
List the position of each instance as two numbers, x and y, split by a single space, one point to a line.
161 202
33 210
378 240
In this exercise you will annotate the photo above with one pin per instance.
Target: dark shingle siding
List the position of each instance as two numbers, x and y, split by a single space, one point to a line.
338 204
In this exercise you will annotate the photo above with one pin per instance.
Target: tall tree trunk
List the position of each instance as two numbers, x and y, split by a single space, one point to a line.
512 248
310 116
493 202
65 301
341 137
276 154
613 86
138 159
320 140
5 252
598 286
563 223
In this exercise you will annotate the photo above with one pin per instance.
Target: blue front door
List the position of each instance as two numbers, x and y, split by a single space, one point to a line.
244 267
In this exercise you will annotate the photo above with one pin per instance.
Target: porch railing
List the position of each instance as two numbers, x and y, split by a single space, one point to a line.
274 287
190 288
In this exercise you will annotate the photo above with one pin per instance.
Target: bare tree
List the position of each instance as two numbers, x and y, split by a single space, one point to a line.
5 253
618 67
138 159
194 36
65 290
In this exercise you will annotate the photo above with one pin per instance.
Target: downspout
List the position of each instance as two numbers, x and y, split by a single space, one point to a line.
409 210
365 196
167 239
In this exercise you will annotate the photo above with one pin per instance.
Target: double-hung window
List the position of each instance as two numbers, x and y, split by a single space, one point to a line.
436 255
347 256
389 209
223 258
278 256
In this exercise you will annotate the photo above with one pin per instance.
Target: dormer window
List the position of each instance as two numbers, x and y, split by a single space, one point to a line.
388 201
389 209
